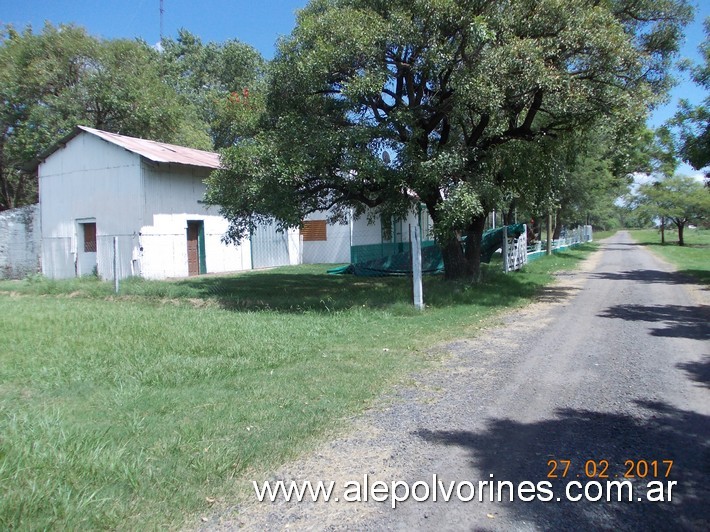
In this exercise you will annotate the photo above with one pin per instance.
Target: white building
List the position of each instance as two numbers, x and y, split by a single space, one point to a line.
358 239
95 186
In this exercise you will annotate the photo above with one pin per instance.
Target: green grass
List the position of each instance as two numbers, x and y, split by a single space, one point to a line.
599 235
691 259
141 411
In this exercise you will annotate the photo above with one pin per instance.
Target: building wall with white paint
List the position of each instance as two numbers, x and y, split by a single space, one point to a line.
88 181
367 232
335 249
172 197
145 205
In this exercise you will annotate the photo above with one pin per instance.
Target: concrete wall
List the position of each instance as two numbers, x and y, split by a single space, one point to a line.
20 242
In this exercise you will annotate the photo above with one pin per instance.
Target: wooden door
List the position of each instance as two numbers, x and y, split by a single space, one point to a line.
193 249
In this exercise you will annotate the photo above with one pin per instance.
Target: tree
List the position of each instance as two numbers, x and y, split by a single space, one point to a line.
681 199
693 122
579 176
33 69
439 87
223 81
58 78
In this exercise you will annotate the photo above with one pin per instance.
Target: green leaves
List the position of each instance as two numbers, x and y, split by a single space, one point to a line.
444 86
680 199
58 78
692 123
222 82
461 205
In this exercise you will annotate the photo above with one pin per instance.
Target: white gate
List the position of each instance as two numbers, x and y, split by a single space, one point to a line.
515 250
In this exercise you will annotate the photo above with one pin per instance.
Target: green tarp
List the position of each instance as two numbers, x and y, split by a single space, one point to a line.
432 262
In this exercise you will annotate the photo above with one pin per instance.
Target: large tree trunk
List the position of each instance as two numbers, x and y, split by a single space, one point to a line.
456 266
537 227
509 215
460 264
558 225
681 226
474 236
663 229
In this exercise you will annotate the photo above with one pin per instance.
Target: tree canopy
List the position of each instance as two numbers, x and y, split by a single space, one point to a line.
223 81
52 80
693 121
680 199
378 104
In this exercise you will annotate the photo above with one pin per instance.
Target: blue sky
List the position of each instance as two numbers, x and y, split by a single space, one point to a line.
258 23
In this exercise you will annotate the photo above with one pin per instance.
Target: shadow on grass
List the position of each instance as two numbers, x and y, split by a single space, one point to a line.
516 451
702 276
680 321
570 253
310 289
670 244
298 292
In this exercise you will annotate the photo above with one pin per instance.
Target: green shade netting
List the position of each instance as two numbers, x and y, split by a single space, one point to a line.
432 261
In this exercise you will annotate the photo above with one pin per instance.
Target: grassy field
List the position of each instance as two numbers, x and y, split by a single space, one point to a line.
599 235
691 259
144 410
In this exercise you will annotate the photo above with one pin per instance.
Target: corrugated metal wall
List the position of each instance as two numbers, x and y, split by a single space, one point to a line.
88 179
146 206
269 247
173 197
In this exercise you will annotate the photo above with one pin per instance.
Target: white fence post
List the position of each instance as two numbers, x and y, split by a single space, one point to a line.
416 242
115 263
515 251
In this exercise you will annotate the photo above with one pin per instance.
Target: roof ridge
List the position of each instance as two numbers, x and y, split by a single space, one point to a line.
149 149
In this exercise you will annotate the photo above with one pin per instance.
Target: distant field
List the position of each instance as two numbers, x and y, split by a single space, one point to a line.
598 235
691 259
142 411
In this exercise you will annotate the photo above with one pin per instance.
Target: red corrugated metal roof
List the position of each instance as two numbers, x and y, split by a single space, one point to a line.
158 152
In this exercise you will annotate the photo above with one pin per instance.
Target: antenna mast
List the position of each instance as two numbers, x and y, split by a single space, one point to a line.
161 19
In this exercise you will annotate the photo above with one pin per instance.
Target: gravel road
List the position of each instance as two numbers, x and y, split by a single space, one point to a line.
610 365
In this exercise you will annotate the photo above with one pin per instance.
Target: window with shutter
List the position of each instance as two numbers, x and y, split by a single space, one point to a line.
314 230
89 237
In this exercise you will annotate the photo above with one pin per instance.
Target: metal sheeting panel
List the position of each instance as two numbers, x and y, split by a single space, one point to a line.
269 247
159 152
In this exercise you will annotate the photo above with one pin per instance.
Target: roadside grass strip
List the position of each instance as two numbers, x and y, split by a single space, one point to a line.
691 259
143 410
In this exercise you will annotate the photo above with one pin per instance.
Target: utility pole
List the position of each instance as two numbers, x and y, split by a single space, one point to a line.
161 20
